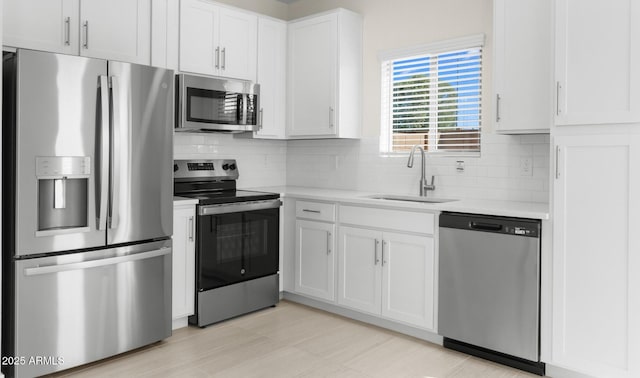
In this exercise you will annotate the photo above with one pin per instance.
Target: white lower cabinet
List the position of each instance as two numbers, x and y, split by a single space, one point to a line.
315 259
596 255
387 273
184 263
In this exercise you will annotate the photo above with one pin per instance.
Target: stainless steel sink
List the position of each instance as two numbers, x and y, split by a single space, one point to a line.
395 197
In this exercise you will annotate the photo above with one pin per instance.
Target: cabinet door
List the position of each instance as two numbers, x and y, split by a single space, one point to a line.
522 66
312 80
165 33
238 44
53 27
117 30
315 259
597 61
272 67
199 24
359 273
408 279
596 265
183 261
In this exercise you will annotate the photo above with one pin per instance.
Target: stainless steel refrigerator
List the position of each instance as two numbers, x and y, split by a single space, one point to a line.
87 209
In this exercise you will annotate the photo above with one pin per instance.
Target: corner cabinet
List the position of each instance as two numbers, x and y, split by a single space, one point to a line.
389 273
217 40
596 255
597 62
272 73
314 250
118 30
184 262
325 76
522 71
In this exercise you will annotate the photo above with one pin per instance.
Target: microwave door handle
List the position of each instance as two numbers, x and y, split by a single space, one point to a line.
116 152
245 104
103 165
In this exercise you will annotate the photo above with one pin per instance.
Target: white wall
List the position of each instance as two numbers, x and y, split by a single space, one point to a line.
271 8
358 165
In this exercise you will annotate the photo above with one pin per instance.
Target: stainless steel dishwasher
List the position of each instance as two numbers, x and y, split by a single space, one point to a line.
489 288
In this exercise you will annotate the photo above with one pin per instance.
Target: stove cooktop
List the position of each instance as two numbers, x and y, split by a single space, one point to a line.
229 196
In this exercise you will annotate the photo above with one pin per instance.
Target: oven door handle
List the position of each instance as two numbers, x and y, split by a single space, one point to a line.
238 207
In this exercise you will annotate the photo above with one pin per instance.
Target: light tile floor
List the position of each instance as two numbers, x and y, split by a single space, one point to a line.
292 340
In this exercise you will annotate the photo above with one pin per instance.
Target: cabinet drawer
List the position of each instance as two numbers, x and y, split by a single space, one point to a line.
390 219
316 210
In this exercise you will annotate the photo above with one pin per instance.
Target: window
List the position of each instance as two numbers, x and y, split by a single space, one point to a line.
431 96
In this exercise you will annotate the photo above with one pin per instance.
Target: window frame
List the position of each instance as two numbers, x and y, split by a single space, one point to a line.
435 48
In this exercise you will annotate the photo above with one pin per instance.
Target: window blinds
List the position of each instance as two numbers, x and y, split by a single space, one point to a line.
433 100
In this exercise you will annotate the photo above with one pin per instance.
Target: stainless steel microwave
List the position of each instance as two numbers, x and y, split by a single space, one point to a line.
216 104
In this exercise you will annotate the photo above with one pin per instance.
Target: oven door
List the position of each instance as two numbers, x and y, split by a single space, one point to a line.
237 242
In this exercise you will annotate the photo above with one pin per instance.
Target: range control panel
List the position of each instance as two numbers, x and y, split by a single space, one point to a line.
212 169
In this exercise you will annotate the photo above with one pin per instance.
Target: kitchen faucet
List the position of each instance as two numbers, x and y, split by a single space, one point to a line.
423 182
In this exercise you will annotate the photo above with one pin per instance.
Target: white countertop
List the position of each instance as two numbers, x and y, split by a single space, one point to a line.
533 210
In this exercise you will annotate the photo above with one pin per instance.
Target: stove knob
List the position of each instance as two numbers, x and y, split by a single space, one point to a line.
175 167
232 167
225 166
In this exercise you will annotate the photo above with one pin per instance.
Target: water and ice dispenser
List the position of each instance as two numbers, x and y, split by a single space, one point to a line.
63 194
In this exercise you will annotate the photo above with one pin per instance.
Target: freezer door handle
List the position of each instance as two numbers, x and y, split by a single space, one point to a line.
103 167
116 152
49 269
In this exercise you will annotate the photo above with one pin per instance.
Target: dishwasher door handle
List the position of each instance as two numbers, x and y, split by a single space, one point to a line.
485 226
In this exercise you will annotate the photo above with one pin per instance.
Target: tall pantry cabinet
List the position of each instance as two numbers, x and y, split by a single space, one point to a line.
596 188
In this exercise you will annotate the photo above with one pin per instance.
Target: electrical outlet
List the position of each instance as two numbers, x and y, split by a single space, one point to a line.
526 166
460 166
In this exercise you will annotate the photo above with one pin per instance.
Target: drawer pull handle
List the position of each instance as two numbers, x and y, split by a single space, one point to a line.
311 211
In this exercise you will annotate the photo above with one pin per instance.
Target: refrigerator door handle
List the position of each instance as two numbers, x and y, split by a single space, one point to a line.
116 153
48 269
103 168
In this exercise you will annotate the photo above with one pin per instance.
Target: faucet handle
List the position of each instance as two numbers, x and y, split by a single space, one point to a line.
431 186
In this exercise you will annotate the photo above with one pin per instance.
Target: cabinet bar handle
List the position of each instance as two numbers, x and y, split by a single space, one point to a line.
330 116
558 87
217 57
557 162
224 58
311 211
191 228
260 118
328 243
498 108
383 244
375 253
67 31
86 34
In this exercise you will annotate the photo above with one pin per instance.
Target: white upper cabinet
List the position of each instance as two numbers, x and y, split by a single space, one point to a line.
118 29
272 71
325 76
597 65
165 33
522 66
216 40
53 28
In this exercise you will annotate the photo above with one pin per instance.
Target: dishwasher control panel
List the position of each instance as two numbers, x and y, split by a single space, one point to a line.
501 225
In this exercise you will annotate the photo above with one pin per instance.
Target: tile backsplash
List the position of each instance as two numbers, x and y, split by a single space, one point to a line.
510 167
260 162
357 164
